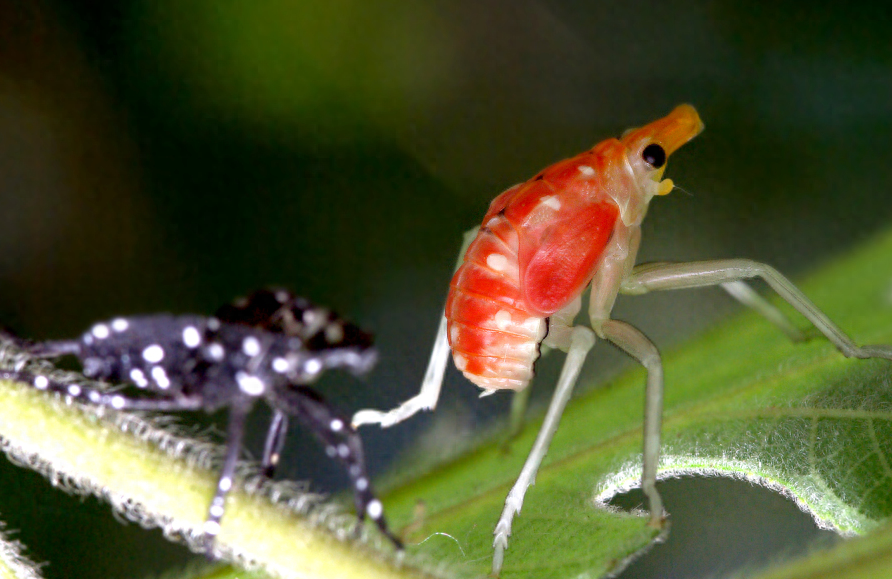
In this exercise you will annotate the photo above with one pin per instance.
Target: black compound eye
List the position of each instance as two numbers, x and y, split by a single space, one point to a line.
654 155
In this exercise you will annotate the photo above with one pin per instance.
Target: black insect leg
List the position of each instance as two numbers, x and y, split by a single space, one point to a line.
341 442
99 398
52 349
235 432
275 440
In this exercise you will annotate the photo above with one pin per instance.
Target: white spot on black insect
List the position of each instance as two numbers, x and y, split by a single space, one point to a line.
312 366
225 484
216 352
343 450
282 296
120 325
311 317
362 484
211 528
41 382
74 390
139 378
336 425
280 365
153 354
118 402
334 333
160 377
251 346
375 509
216 511
213 324
191 337
250 384
95 397
100 331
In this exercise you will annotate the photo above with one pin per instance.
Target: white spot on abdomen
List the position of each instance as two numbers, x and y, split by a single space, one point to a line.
552 202
502 319
586 170
460 362
497 261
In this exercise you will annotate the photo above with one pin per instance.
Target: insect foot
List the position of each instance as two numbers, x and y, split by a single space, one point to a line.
271 345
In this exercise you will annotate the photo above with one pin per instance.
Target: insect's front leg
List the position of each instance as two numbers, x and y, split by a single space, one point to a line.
665 276
76 392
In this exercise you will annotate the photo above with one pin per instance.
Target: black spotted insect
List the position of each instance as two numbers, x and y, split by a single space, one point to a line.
270 345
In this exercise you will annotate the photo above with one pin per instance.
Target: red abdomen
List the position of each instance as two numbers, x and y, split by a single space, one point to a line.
493 335
539 246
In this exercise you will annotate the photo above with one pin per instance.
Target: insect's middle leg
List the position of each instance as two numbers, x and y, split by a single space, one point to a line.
275 440
634 343
235 432
581 341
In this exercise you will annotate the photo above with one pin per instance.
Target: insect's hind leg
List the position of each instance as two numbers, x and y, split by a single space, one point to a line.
746 295
581 341
341 442
429 394
663 276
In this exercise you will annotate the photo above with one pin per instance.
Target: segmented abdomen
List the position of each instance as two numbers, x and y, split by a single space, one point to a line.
494 338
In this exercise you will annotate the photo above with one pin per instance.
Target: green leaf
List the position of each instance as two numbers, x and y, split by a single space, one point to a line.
741 400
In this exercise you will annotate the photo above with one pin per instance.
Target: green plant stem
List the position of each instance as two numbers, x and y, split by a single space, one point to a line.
154 477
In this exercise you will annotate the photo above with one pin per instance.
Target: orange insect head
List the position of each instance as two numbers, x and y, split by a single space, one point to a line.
670 133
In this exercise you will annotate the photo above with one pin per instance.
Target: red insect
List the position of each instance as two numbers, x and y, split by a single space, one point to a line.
577 224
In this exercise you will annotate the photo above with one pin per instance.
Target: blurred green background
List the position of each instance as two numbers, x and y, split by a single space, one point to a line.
160 155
